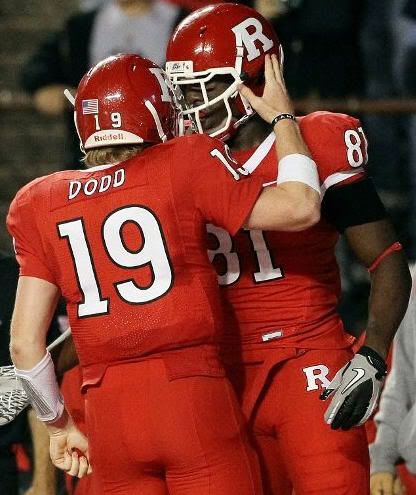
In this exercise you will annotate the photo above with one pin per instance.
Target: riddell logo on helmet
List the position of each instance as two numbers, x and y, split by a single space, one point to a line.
248 39
109 137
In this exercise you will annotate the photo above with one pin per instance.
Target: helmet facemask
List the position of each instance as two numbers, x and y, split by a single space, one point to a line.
182 76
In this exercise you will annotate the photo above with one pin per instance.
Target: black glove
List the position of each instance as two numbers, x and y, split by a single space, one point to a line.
355 390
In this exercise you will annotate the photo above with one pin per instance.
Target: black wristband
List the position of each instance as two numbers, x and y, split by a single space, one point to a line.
375 359
282 116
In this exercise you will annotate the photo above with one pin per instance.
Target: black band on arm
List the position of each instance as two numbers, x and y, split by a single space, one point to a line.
375 359
352 204
282 116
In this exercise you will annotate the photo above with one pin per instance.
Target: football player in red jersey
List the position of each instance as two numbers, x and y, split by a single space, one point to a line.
285 340
124 243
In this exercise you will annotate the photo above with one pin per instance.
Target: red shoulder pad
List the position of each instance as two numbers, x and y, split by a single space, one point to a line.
338 145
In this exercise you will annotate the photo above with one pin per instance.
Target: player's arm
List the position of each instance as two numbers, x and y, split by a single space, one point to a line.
294 203
36 301
64 356
360 214
33 312
13 398
44 472
288 207
356 210
390 280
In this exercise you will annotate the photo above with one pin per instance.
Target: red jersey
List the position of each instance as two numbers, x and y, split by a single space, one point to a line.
284 287
126 245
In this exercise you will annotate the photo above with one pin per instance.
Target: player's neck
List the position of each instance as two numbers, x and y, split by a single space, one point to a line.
250 134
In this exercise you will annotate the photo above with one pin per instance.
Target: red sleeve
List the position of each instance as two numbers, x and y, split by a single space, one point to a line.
338 145
22 226
223 195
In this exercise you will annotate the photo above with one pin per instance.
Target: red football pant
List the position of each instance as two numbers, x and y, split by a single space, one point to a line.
153 436
280 392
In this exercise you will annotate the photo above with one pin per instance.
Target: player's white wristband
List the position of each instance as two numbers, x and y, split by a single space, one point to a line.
299 168
42 389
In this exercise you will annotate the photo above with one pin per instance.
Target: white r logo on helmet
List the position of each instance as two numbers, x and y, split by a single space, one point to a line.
243 36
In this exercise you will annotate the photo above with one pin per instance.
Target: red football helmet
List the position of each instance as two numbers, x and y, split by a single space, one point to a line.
222 39
125 99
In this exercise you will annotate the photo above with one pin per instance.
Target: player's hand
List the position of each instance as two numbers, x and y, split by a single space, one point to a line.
69 450
13 399
275 99
386 484
355 390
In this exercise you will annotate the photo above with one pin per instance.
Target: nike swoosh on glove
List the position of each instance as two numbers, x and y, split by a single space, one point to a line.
13 399
355 390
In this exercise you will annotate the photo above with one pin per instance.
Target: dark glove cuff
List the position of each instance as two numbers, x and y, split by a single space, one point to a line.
375 360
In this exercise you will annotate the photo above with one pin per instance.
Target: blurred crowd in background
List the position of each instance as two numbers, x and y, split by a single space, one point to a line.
345 52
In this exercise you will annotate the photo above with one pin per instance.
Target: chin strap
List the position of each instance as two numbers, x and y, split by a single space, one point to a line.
396 246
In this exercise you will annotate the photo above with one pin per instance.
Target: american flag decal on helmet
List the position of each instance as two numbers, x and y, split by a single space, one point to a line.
89 106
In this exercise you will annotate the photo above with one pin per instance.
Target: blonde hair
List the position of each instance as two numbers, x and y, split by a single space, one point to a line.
110 154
